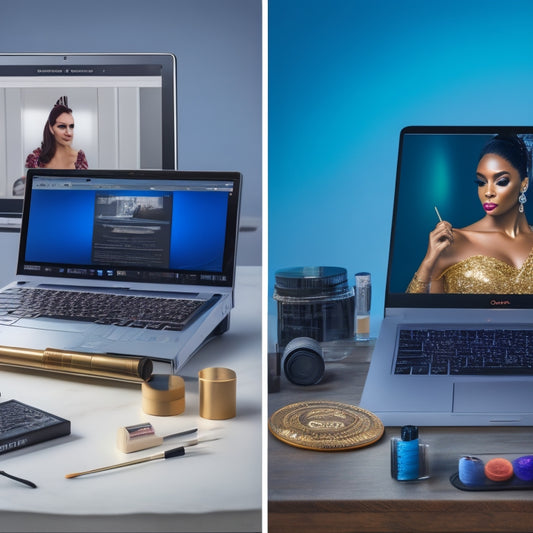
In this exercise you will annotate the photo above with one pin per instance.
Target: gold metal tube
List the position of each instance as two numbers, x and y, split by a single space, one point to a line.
217 390
86 364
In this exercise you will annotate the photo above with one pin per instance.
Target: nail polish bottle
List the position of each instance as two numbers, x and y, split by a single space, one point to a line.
409 461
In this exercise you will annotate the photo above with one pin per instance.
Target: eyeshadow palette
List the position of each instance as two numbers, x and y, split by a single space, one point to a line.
22 425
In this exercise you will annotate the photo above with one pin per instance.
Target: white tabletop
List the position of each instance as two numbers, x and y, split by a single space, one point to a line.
216 486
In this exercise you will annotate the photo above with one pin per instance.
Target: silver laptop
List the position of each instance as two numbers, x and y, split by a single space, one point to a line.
424 369
164 239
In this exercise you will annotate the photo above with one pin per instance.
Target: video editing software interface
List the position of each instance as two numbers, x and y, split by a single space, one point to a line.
164 231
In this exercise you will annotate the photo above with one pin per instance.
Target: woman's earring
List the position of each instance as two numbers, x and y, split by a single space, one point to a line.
522 200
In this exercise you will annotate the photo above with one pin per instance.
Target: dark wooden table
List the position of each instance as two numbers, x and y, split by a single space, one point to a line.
353 491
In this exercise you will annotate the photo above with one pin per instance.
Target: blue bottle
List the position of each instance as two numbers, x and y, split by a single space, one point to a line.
405 455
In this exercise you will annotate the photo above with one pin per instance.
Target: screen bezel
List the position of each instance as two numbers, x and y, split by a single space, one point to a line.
448 301
12 207
232 220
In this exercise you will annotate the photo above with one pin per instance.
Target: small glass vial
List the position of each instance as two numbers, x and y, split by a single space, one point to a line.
363 295
409 458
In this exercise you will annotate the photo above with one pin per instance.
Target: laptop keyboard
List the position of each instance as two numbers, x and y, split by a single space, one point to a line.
100 308
465 352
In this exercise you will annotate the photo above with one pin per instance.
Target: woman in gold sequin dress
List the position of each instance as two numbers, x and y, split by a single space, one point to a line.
495 254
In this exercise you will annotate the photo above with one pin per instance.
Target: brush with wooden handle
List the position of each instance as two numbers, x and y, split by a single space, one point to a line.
174 452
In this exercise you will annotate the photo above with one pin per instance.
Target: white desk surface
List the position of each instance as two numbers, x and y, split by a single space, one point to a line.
216 486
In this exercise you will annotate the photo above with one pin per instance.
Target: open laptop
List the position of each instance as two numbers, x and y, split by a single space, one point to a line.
162 236
437 168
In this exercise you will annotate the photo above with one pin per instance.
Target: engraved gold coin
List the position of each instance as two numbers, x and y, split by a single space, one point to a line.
325 426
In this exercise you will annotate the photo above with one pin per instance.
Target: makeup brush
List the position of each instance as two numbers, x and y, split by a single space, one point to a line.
174 452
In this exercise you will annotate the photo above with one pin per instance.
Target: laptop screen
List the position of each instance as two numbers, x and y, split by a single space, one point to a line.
123 107
134 226
437 178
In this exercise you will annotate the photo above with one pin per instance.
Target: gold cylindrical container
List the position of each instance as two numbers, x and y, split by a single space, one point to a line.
80 363
163 395
218 393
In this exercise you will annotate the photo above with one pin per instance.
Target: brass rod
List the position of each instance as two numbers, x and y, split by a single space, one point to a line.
87 364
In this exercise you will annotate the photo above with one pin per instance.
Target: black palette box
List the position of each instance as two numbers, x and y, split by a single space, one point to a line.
22 425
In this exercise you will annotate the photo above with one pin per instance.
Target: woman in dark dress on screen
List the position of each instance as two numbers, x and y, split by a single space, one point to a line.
56 148
495 254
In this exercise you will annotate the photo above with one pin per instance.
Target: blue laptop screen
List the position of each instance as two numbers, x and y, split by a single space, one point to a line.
129 228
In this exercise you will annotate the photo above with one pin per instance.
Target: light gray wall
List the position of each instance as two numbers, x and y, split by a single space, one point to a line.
218 48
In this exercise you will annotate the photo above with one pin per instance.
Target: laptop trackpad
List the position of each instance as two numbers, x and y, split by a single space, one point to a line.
495 397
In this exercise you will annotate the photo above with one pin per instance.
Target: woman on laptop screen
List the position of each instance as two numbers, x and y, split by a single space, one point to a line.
56 148
495 254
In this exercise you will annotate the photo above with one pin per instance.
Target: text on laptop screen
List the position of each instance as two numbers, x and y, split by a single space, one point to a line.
122 108
143 230
437 177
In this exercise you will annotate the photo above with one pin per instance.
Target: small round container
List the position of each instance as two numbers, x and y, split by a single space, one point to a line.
314 302
163 395
493 471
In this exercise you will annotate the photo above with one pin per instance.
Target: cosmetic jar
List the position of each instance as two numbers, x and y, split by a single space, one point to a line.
163 395
494 471
314 302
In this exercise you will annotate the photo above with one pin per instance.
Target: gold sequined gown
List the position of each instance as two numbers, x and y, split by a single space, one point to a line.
481 274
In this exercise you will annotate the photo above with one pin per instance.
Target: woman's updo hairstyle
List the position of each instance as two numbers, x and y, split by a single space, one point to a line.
513 149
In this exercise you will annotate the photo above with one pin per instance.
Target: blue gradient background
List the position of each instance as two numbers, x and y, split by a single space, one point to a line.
345 76
451 162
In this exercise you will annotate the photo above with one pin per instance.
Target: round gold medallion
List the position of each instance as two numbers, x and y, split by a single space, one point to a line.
325 426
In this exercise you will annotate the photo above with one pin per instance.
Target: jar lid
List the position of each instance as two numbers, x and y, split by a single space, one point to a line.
311 281
163 395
